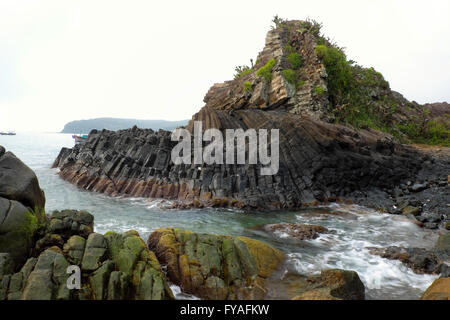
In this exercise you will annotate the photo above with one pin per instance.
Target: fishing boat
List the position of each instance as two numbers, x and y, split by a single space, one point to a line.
10 133
80 138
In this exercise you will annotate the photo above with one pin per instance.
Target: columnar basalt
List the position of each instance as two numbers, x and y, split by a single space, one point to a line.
318 160
286 89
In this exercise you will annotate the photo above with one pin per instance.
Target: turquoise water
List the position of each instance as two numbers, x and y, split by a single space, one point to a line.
353 228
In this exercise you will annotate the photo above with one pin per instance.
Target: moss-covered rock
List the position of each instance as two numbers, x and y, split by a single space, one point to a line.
74 249
95 252
115 266
215 266
138 265
6 264
71 222
118 286
49 240
17 230
18 280
48 280
99 280
443 242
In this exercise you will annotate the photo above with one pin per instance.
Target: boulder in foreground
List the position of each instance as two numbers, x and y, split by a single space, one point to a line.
22 205
439 290
113 266
213 266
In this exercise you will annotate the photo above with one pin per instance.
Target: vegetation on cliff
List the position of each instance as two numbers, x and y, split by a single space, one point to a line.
359 96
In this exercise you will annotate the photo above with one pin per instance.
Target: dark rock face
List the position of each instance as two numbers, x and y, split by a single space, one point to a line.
317 161
21 207
18 182
70 222
420 260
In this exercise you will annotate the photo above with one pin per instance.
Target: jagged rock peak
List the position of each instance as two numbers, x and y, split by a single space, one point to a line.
287 75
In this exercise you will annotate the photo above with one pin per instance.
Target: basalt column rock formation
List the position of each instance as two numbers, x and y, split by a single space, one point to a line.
111 267
319 159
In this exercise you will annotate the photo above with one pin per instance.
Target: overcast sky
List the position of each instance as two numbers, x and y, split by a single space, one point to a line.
63 60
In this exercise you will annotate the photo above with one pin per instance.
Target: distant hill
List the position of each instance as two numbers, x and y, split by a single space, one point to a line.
85 126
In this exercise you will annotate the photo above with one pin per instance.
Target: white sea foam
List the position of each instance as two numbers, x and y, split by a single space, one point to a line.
346 248
179 295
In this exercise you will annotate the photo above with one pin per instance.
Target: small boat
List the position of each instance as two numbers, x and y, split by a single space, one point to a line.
80 138
10 133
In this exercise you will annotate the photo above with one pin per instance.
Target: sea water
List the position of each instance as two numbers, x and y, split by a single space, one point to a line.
352 228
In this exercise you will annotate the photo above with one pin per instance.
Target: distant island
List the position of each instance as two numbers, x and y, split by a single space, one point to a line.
85 126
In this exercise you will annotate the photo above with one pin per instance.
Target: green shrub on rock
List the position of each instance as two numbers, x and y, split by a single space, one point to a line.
266 71
247 86
300 83
319 90
17 230
242 71
339 70
295 60
289 76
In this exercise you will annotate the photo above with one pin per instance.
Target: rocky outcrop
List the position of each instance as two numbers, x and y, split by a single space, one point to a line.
113 266
295 230
215 267
21 207
18 182
279 93
420 260
334 284
330 284
319 159
439 290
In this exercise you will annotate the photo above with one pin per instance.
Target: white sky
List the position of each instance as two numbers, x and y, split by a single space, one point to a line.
63 60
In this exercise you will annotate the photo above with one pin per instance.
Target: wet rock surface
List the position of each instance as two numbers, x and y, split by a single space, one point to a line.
439 290
21 207
296 231
113 266
215 267
19 183
420 260
330 284
423 198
